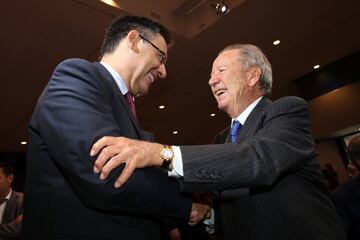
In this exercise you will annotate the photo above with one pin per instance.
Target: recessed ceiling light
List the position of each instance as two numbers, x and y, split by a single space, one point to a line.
161 107
221 8
111 3
23 143
276 42
316 66
212 115
175 132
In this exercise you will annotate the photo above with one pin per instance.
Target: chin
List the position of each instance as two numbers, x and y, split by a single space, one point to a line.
221 107
222 104
144 90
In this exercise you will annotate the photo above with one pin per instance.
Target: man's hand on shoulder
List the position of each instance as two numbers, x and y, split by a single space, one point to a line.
114 151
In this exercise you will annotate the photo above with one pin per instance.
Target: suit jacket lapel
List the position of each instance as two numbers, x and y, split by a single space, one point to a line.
253 118
9 206
107 76
249 125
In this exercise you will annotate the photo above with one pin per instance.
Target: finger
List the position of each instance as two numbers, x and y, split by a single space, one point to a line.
112 163
193 220
125 174
194 217
193 214
101 143
105 155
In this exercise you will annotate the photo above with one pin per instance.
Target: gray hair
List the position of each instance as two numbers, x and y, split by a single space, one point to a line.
250 55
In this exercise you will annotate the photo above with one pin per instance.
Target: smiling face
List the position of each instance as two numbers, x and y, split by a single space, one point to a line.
233 87
148 65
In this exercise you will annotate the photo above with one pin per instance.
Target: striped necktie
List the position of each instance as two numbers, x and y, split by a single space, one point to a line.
130 99
235 129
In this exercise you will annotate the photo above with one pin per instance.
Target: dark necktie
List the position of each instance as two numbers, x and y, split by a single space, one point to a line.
235 129
130 99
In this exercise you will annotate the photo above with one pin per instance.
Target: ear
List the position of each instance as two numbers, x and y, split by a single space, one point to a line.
132 38
10 178
254 76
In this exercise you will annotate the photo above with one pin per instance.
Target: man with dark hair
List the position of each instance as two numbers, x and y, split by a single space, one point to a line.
265 165
11 205
347 196
82 102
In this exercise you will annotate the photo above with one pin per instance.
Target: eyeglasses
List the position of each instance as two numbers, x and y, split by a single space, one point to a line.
162 55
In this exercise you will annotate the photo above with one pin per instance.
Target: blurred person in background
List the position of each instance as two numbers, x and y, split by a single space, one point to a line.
346 197
11 205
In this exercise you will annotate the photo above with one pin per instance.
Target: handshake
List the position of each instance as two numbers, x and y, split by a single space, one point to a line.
201 207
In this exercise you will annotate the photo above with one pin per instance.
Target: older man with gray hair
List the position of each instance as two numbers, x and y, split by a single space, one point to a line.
264 164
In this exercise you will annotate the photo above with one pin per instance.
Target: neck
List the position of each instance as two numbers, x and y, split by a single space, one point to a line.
120 67
2 196
243 105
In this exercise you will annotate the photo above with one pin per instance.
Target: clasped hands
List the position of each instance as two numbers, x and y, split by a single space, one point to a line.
114 151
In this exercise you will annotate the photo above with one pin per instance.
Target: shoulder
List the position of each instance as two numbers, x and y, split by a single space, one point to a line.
74 64
75 70
17 195
290 101
290 104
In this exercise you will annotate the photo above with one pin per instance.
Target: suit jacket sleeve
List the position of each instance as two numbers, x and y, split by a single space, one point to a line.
11 228
281 143
75 111
230 193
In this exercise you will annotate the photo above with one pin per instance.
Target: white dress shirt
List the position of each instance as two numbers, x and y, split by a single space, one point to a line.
118 79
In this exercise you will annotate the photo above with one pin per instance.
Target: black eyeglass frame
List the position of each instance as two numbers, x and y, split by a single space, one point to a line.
163 56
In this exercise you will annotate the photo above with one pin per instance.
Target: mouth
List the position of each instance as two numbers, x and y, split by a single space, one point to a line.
219 92
151 77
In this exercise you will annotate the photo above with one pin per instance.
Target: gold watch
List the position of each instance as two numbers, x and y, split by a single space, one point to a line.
167 154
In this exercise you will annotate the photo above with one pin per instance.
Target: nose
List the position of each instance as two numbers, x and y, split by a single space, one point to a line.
213 80
162 71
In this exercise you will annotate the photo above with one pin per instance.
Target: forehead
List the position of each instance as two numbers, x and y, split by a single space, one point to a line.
227 57
160 42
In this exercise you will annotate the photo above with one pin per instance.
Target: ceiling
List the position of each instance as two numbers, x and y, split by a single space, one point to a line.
38 34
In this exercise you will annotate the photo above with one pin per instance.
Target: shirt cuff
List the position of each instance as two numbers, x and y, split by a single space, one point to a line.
210 223
177 163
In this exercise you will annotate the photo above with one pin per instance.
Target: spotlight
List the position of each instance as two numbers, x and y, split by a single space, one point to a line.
221 8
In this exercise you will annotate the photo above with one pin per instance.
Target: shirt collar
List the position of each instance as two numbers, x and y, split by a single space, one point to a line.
8 196
244 114
118 79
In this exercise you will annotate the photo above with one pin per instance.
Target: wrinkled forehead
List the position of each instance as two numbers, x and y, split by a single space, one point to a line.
227 57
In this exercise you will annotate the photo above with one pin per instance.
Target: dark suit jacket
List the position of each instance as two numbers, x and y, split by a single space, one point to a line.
347 202
275 158
64 198
9 228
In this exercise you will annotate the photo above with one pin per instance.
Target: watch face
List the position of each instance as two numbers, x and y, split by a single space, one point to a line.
168 153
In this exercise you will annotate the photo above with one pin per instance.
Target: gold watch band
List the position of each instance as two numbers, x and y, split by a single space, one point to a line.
167 154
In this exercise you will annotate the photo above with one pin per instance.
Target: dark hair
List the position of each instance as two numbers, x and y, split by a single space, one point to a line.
354 149
122 25
7 169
